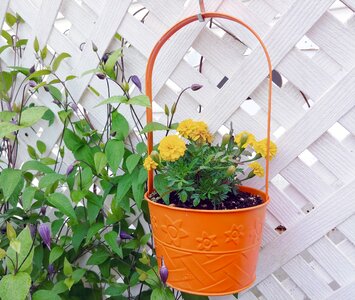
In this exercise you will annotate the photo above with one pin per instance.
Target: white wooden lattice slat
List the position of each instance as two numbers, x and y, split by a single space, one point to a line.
3 9
281 38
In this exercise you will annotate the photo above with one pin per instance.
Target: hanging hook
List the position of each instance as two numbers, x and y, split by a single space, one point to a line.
202 10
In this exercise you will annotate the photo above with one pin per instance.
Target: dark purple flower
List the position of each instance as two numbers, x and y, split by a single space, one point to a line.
51 269
45 234
163 272
196 86
135 79
69 169
43 210
46 88
125 236
32 69
101 76
105 57
32 83
32 230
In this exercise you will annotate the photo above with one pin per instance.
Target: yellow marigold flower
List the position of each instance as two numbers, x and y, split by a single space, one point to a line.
244 139
150 164
260 148
257 168
200 132
185 128
171 148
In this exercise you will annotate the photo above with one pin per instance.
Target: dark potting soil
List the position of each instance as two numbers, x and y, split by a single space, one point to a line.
240 200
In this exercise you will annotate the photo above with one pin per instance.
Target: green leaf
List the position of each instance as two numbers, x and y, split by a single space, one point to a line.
7 128
138 190
45 295
55 253
41 146
9 180
69 282
109 66
39 73
27 197
3 48
67 268
6 36
15 245
100 161
49 179
15 287
124 184
153 126
132 162
61 202
120 126
10 19
49 116
36 165
113 99
141 100
59 59
144 239
116 289
187 296
32 115
72 141
26 247
36 45
6 82
55 92
78 274
162 293
6 116
114 152
161 186
79 233
32 152
98 257
111 240
92 231
44 52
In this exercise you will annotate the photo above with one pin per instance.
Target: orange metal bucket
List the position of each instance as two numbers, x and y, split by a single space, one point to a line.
209 252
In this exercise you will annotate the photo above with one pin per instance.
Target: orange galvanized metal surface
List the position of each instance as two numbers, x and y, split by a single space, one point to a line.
208 252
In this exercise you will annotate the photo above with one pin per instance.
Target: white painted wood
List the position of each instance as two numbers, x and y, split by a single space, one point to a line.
3 8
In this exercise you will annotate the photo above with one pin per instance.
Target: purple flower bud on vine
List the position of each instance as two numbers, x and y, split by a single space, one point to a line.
125 236
45 234
32 83
105 58
94 47
33 230
43 210
163 272
69 169
135 79
32 69
46 88
101 76
74 106
51 269
56 102
196 86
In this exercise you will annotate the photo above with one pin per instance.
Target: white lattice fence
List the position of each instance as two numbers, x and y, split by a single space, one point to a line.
312 45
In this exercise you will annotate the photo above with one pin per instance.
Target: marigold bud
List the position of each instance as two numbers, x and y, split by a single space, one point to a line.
155 156
231 170
225 140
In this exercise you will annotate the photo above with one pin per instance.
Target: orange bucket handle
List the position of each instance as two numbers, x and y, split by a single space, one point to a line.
149 72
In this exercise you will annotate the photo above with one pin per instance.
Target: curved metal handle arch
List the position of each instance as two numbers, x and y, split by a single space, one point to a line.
149 73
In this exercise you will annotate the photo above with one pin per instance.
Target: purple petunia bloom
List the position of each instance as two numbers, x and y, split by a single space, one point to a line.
45 234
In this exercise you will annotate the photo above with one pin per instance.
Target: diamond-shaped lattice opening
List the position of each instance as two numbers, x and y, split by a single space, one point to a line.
336 236
250 107
62 24
341 11
139 11
193 58
308 158
307 46
338 132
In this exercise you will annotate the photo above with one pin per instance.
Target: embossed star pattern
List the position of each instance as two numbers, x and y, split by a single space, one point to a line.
206 242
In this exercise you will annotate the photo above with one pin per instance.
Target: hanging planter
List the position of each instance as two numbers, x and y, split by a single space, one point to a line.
207 251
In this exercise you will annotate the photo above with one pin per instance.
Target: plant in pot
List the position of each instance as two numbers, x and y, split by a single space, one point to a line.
207 226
